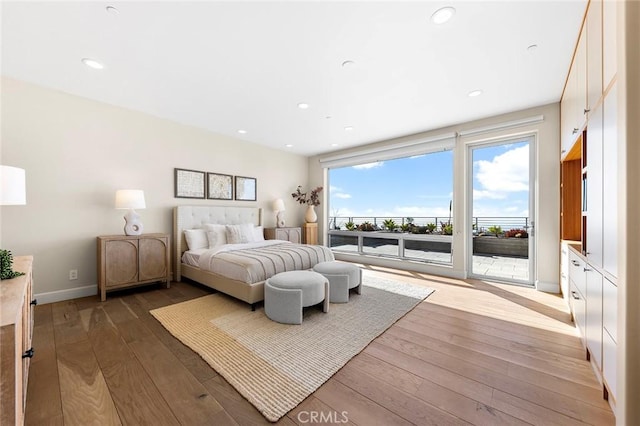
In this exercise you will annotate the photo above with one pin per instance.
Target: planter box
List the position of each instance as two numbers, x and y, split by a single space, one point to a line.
489 245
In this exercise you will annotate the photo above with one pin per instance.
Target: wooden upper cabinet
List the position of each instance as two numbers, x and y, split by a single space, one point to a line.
609 45
594 54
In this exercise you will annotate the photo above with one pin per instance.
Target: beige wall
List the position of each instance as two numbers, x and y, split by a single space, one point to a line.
78 152
547 208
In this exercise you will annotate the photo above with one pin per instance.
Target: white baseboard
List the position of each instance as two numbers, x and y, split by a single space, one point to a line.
547 287
67 294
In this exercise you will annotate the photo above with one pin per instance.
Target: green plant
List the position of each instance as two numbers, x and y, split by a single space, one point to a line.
419 229
447 228
406 227
409 220
350 226
431 227
366 226
389 224
6 265
496 230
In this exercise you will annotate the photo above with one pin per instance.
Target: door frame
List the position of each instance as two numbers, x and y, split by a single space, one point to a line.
485 143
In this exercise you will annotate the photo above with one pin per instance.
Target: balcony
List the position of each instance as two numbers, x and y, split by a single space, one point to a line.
492 256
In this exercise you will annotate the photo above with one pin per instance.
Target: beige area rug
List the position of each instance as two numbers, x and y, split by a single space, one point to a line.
276 366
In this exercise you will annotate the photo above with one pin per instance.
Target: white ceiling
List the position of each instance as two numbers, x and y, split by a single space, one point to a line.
225 66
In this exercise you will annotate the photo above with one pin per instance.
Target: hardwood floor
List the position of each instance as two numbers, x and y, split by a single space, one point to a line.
472 353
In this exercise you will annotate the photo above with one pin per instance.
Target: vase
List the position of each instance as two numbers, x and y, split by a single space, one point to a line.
310 216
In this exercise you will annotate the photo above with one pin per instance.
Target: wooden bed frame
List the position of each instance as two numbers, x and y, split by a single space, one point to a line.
191 217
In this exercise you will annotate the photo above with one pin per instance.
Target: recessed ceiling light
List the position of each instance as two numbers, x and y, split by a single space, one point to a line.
442 15
348 128
475 93
289 145
242 132
532 48
92 63
112 10
302 105
328 117
334 144
348 64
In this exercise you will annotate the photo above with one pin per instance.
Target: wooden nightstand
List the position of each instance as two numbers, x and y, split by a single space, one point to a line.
287 234
131 260
310 233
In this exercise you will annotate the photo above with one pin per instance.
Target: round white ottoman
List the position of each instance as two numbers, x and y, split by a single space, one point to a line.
286 293
342 277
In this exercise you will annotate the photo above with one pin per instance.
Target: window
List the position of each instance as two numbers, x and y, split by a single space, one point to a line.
397 208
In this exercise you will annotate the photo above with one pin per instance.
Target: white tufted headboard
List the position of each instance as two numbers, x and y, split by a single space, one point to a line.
192 217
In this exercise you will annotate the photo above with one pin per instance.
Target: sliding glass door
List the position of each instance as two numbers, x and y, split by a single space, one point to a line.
502 233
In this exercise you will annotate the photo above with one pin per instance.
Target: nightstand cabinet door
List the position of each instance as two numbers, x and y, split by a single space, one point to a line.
293 235
154 258
120 262
127 261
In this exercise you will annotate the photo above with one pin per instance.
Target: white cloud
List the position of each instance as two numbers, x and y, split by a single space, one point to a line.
483 194
417 156
337 192
341 195
369 165
508 172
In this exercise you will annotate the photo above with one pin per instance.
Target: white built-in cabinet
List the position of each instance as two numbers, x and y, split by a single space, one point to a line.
594 209
589 268
610 183
609 45
594 55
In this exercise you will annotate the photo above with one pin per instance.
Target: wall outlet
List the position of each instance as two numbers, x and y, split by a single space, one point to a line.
73 274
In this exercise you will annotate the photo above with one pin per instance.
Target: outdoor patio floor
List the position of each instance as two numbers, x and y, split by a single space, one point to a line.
500 267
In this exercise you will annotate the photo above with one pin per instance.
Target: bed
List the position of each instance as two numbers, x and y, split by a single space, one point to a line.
247 286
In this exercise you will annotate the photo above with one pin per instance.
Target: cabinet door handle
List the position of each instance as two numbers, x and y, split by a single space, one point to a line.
34 302
563 275
563 151
28 353
586 110
575 295
575 263
575 130
587 269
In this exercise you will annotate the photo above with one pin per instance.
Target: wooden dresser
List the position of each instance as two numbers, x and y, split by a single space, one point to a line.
131 260
16 329
287 234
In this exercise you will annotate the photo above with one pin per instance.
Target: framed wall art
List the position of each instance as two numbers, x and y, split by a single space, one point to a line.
189 183
246 188
219 186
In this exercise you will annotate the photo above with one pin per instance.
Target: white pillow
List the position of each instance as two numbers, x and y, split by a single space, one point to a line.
216 234
196 239
239 234
258 233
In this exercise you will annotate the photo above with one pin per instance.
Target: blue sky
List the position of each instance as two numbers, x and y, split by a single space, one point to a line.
423 185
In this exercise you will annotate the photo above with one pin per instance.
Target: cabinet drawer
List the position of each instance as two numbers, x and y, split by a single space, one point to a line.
609 362
578 308
576 272
610 308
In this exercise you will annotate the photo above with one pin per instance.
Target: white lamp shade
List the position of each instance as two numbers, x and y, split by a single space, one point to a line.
278 205
130 199
13 190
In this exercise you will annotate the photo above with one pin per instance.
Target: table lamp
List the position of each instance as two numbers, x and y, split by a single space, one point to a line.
278 207
131 199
